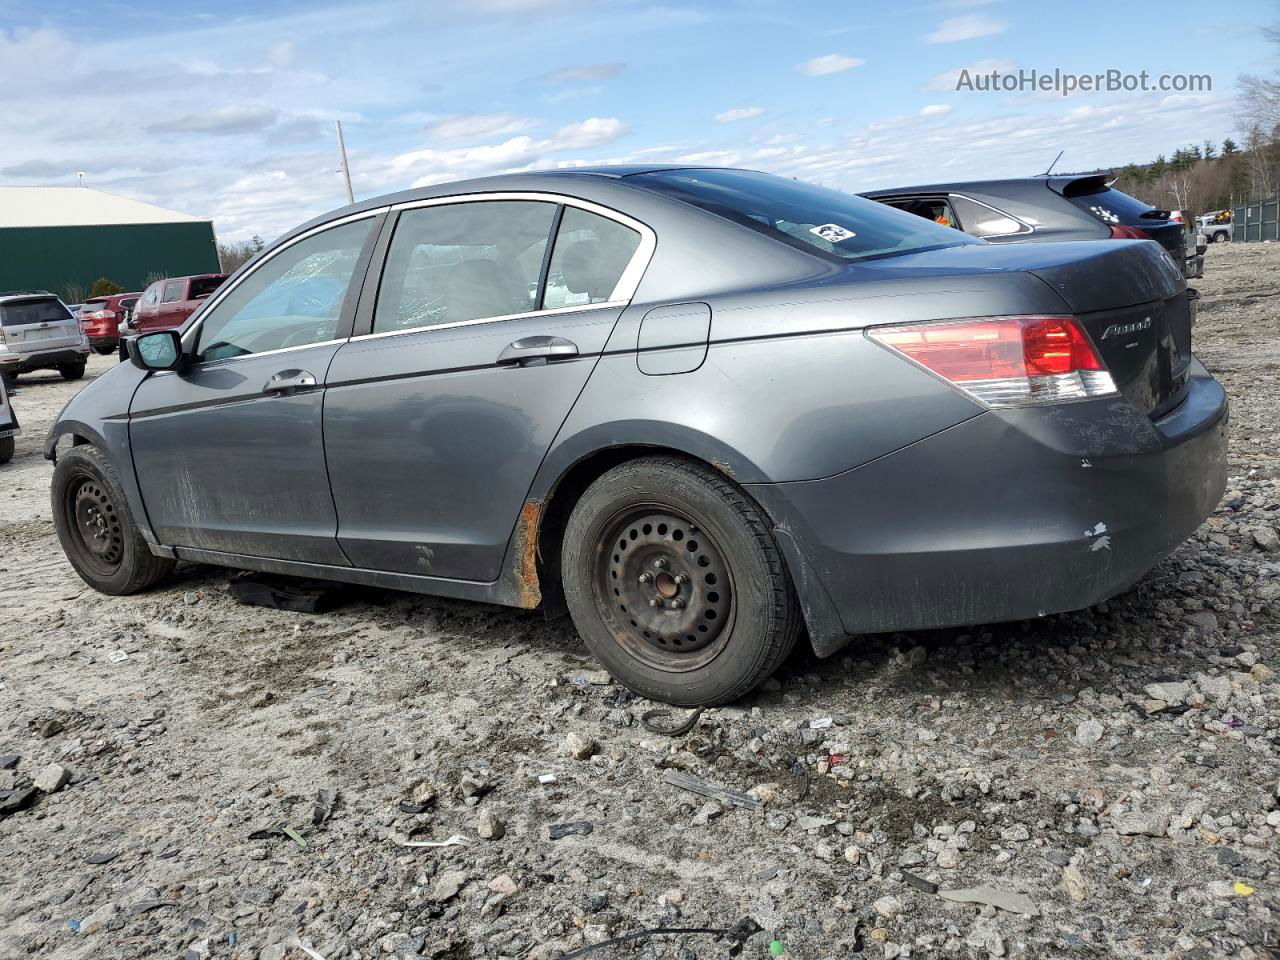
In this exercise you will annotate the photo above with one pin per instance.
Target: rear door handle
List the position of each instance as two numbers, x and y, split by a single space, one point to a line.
288 381
532 350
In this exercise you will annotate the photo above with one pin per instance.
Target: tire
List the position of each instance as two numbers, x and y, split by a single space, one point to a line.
103 351
737 617
96 528
71 371
6 449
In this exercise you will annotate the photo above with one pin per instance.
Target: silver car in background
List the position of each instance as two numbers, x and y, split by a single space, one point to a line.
39 332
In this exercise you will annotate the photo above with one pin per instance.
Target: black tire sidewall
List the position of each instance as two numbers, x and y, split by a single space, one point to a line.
737 667
74 467
7 446
72 371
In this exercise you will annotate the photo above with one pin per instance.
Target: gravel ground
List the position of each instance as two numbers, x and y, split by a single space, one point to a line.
1116 767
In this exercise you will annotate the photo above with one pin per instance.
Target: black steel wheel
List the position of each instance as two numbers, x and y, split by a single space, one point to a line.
99 536
674 581
96 528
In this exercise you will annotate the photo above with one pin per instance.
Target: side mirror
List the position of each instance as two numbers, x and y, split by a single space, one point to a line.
159 350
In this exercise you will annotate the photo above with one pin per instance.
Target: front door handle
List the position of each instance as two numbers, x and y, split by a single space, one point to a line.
531 350
287 381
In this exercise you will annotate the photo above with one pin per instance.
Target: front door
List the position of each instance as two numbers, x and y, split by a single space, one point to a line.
229 454
438 417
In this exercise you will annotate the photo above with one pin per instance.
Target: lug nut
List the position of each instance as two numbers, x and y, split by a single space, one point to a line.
660 564
655 602
677 604
682 578
645 578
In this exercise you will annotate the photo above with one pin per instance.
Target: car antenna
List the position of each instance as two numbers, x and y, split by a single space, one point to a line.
1055 163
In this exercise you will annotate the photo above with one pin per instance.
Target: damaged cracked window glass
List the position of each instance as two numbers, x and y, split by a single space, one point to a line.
293 299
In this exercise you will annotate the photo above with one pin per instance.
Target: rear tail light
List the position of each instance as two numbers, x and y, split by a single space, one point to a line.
1006 361
1128 233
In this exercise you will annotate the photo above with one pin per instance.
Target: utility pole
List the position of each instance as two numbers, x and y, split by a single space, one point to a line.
342 156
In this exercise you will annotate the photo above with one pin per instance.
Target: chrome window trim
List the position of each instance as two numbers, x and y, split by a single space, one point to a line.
225 290
555 311
1002 213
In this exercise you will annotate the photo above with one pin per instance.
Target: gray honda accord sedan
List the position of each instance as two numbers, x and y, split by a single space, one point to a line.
702 409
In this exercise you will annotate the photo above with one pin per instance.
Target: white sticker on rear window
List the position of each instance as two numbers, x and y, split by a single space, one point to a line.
832 232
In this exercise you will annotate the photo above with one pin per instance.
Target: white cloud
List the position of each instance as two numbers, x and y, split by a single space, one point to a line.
828 64
968 27
477 126
282 54
738 113
947 81
935 110
592 132
583 74
220 121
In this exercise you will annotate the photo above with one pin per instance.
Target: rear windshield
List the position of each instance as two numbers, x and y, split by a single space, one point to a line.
838 226
32 311
1112 206
204 287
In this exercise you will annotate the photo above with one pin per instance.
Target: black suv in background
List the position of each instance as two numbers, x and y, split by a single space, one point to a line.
1041 208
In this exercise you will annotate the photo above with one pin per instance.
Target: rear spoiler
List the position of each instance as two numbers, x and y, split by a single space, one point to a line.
1078 186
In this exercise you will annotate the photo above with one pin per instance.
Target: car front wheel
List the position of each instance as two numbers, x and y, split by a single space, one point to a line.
96 528
6 449
674 580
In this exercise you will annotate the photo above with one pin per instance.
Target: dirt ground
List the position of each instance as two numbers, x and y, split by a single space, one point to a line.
1117 766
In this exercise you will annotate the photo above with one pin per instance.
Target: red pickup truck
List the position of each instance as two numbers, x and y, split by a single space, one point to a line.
167 303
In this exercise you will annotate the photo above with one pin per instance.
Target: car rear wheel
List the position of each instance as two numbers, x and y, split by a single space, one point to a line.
675 583
71 371
96 529
103 351
6 449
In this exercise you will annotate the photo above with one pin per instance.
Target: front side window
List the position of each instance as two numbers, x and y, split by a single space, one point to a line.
836 226
293 299
589 258
172 291
463 261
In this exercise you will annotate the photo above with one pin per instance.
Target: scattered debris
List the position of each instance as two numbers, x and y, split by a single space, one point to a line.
117 656
52 778
738 933
546 778
322 809
457 840
820 723
286 593
694 785
911 880
1002 899
579 828
11 801
104 856
679 730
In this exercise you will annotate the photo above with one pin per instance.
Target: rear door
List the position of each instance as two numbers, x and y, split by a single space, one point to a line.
440 411
34 324
170 312
145 312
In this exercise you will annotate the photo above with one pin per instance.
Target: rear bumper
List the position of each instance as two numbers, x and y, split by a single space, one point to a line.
105 340
1008 515
43 360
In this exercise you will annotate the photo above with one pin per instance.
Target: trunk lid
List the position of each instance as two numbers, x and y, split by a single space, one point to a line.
1133 303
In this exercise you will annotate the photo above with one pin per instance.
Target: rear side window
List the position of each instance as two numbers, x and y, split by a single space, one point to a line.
463 261
836 226
935 209
33 311
590 256
172 291
204 287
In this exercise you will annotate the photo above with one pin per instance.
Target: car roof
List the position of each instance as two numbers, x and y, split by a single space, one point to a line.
1057 183
23 294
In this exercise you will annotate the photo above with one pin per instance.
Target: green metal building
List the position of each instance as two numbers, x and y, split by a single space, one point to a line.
62 239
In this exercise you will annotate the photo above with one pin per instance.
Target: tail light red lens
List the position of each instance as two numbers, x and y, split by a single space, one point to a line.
1128 233
1006 361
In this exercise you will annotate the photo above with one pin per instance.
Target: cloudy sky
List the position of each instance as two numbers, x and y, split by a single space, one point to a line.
226 110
